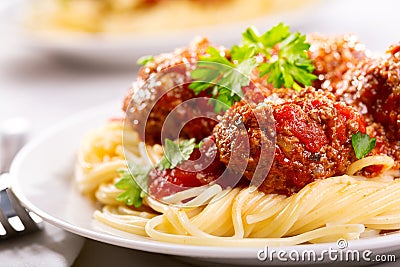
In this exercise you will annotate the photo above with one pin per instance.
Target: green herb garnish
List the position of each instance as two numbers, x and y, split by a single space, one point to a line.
224 78
135 182
176 153
144 60
286 64
362 144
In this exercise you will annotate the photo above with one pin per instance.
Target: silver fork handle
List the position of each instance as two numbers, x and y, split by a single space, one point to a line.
5 203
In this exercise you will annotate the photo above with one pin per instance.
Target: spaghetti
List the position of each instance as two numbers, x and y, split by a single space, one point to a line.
323 211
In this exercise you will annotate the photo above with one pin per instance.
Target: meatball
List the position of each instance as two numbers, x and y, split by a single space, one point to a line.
162 86
384 146
313 139
241 134
373 87
332 57
259 91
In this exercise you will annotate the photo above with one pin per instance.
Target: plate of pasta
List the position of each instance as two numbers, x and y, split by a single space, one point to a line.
275 149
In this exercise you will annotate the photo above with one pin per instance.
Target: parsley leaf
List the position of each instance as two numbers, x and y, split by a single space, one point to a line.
362 144
199 145
291 66
221 77
176 153
239 76
286 64
144 60
134 184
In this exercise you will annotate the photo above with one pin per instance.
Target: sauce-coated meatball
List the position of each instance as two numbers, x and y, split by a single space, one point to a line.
313 139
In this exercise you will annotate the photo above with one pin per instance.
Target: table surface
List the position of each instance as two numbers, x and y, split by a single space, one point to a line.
45 90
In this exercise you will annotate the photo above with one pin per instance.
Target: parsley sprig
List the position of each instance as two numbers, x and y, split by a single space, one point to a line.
362 144
135 180
225 78
134 183
285 63
176 153
145 60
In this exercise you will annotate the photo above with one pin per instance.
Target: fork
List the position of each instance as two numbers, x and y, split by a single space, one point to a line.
15 220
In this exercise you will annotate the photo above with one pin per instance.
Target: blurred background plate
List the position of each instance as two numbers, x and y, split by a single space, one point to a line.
117 34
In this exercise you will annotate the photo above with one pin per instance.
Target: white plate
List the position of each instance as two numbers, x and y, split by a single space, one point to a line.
42 180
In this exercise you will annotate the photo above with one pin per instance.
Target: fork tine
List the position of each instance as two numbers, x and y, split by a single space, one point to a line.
27 221
7 226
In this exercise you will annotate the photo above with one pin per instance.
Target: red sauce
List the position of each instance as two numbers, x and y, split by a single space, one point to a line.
308 132
202 168
372 170
346 113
